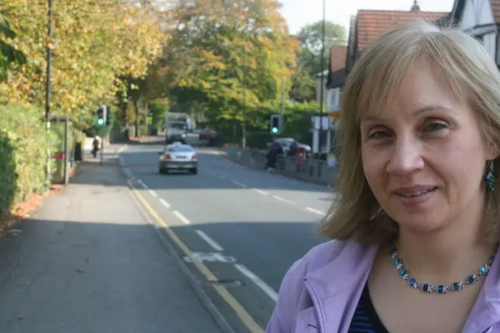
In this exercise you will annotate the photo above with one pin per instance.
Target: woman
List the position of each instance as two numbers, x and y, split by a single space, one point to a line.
416 227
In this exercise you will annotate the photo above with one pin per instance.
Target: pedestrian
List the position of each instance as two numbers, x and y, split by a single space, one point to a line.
415 226
272 156
95 146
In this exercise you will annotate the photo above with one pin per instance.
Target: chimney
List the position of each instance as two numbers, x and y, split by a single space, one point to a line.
415 8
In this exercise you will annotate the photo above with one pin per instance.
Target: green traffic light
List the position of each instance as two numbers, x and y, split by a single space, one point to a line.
274 130
100 121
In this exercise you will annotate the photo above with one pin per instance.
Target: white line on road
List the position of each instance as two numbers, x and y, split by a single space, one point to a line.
153 193
210 241
315 211
143 185
237 183
261 284
284 200
260 191
121 149
164 203
182 217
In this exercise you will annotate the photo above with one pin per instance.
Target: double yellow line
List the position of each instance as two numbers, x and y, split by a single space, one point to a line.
240 311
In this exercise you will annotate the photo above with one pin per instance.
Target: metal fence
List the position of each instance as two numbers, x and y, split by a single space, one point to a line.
310 170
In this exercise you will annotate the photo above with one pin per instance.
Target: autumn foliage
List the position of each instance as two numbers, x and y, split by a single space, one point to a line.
93 44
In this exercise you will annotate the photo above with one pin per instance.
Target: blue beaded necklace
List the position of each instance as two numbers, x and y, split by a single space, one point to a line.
441 289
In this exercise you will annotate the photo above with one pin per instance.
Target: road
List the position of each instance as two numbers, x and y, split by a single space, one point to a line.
245 226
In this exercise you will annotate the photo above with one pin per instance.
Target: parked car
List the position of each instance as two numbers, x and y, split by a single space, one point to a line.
206 134
178 156
286 143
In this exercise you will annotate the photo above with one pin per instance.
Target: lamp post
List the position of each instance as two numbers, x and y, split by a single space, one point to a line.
47 89
322 79
243 123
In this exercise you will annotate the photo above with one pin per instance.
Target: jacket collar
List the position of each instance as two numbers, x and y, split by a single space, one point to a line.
355 260
486 310
335 295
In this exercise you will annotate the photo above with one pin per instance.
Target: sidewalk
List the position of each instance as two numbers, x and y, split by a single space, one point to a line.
88 261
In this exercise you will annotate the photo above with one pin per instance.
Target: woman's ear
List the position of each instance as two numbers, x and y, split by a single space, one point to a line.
493 151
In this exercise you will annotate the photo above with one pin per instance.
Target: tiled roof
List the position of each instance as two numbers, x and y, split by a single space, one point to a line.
495 8
373 23
338 56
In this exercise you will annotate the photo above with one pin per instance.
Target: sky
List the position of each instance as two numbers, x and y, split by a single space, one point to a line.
299 13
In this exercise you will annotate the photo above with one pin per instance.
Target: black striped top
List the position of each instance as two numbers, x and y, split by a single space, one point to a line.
365 319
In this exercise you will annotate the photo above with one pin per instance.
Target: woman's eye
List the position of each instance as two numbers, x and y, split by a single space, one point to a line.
434 127
378 135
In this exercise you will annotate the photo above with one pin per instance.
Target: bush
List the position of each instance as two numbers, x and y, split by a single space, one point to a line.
8 172
22 154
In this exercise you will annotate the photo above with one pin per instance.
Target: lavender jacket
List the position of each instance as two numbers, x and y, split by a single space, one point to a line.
320 292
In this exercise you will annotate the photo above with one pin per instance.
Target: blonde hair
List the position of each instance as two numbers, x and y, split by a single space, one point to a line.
471 75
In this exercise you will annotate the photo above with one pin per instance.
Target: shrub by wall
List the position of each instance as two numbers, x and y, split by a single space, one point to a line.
23 143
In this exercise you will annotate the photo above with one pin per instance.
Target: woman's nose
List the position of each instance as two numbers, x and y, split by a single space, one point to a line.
406 157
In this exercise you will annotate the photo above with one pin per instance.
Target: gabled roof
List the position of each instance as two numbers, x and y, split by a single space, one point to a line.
459 5
371 24
495 8
337 72
338 56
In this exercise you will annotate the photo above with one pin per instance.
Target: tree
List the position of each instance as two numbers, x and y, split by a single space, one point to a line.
230 55
8 54
311 40
94 44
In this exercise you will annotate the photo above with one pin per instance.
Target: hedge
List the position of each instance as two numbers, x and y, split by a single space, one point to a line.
22 154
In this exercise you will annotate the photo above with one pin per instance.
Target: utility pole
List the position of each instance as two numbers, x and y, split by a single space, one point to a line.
322 79
243 123
283 86
47 89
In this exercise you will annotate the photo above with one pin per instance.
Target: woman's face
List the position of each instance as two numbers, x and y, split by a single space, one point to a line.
423 155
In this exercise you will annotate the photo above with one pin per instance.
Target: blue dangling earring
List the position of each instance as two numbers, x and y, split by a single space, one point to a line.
491 178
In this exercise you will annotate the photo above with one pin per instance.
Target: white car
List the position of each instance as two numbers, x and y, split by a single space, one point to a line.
178 156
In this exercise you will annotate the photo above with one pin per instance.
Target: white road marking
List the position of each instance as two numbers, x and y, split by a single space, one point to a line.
260 191
237 183
284 200
210 241
164 203
210 257
182 217
315 211
121 149
261 284
153 193
143 185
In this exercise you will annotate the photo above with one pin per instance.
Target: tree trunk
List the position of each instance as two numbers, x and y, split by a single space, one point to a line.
146 117
124 108
137 116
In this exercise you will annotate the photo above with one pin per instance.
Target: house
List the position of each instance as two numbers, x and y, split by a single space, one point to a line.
481 19
365 28
371 24
320 83
336 78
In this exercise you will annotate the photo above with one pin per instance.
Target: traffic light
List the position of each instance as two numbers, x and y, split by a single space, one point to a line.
101 115
275 124
108 115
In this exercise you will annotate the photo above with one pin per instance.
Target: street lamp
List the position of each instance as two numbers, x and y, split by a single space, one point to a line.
47 90
243 92
243 124
322 79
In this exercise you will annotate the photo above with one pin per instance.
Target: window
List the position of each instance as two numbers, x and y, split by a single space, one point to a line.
180 126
